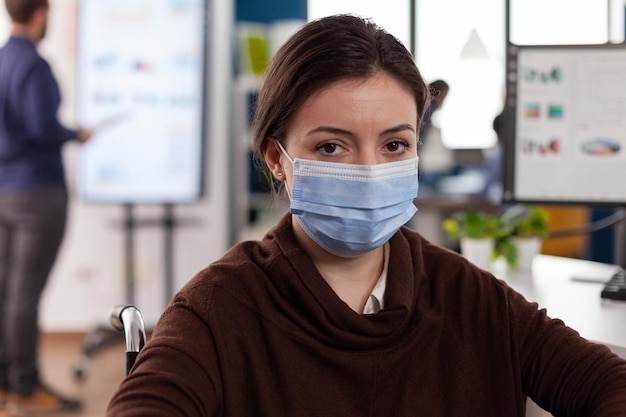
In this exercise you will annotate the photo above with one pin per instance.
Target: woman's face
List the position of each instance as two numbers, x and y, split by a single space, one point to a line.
354 121
365 122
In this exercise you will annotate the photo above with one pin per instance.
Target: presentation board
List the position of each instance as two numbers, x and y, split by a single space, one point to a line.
141 88
566 124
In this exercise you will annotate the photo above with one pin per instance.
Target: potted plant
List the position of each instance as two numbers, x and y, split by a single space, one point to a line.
524 228
476 232
515 235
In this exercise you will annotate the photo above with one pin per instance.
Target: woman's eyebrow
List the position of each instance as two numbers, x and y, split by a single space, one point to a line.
329 129
400 128
336 130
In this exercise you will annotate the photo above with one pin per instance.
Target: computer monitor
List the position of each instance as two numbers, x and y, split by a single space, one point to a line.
565 125
565 121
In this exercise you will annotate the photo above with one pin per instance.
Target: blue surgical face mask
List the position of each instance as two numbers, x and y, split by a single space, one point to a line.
351 209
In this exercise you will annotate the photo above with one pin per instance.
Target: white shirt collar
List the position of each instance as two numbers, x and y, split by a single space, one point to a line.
376 301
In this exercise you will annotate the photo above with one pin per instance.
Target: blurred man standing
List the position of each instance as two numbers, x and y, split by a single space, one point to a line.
33 205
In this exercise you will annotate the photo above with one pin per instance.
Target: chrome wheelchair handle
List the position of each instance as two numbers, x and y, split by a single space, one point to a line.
128 319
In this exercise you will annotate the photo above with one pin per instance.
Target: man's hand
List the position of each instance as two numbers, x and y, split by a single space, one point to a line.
84 135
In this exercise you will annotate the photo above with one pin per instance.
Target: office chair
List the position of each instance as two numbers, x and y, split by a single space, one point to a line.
95 340
128 318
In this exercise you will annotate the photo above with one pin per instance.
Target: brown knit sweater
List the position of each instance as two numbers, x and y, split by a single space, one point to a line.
260 333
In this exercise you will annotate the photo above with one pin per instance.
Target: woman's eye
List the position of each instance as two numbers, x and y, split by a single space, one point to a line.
329 148
396 146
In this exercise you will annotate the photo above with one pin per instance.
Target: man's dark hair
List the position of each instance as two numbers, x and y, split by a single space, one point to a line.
21 11
438 89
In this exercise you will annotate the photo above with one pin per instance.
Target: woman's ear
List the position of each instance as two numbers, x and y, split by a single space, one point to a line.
272 156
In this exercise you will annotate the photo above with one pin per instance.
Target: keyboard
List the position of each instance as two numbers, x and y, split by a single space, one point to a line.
615 288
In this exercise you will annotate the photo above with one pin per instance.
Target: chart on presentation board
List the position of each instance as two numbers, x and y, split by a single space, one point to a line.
141 76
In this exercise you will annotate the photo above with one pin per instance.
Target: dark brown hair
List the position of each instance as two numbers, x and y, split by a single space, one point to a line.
21 11
438 89
322 52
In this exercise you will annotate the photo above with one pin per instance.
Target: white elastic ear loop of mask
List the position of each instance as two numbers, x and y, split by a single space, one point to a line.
284 152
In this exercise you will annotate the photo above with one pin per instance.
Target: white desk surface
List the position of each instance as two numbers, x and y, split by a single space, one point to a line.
577 303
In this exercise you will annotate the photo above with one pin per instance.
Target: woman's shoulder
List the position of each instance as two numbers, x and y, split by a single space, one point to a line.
424 248
240 261
246 267
444 266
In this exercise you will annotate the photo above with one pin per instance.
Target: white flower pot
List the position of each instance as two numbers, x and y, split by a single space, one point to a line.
477 251
527 248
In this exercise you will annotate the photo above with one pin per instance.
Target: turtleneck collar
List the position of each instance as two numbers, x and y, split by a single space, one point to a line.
303 294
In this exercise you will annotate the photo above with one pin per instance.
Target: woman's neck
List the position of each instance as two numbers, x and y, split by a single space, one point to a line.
352 279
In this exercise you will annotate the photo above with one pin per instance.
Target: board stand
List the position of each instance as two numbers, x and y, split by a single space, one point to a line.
104 335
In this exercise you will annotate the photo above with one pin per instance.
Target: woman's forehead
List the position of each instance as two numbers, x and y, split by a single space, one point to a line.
378 98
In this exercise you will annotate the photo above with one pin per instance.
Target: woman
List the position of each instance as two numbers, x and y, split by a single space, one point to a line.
339 310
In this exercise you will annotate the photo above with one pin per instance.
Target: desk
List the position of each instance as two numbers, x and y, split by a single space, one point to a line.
578 304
